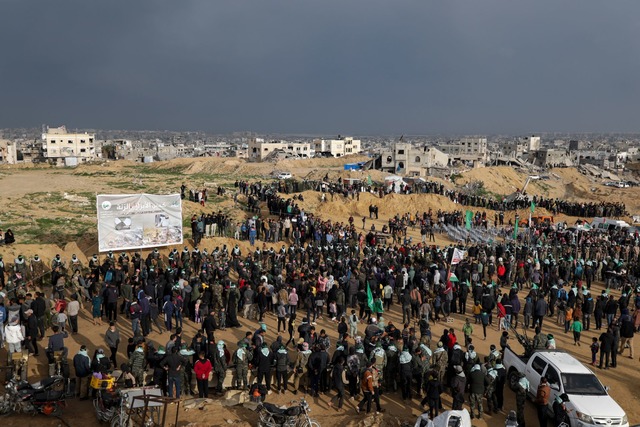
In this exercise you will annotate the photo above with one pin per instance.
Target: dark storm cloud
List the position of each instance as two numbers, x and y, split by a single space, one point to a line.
360 66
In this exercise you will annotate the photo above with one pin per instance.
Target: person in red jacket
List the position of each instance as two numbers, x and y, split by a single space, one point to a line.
202 368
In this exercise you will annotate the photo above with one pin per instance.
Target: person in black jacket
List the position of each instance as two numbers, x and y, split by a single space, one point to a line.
606 346
282 367
173 363
155 359
209 326
433 390
263 361
627 330
338 376
305 330
82 367
100 362
31 332
39 308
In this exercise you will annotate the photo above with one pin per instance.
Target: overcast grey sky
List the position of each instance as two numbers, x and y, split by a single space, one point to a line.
329 66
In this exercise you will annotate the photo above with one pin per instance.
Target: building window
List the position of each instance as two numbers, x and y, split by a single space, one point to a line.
389 159
82 141
400 151
69 141
83 150
53 141
417 159
400 165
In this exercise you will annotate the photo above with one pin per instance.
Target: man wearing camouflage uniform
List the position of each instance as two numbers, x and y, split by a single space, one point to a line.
20 266
476 389
220 365
380 358
187 371
540 340
137 364
300 367
37 268
241 360
440 361
390 373
521 397
94 265
57 262
196 258
217 296
490 391
75 264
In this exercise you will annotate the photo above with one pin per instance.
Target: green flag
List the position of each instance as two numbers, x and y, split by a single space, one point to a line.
533 206
369 180
515 229
370 298
377 307
469 218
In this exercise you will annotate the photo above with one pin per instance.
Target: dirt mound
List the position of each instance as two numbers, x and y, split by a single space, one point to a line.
340 208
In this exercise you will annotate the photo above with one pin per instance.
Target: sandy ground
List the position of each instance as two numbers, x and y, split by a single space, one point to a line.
24 194
623 380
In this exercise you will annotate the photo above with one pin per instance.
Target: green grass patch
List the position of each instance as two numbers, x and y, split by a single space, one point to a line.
148 170
57 231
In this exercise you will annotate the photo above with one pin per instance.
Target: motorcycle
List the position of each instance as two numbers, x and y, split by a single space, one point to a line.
293 416
33 398
48 383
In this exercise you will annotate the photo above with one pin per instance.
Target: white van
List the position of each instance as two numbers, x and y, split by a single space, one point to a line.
606 224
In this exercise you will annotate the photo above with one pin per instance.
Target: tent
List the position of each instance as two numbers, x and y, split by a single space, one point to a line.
394 183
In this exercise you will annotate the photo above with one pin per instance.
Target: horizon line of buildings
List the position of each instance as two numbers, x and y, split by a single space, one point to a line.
58 146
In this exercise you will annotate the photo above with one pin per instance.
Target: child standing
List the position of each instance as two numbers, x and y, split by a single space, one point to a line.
477 311
595 347
61 318
568 313
576 327
333 311
467 330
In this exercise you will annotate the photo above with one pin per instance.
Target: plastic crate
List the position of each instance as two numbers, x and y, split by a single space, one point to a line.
102 384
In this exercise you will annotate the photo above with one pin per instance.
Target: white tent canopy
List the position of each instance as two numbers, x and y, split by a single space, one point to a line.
394 183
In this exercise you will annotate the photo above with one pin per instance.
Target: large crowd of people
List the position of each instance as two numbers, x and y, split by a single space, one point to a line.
331 278
554 205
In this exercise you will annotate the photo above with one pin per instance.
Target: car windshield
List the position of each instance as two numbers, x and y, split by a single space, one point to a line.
586 384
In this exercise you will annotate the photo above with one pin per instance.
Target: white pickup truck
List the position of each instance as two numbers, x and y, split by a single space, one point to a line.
589 403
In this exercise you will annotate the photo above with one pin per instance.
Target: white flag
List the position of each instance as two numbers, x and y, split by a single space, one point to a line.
458 255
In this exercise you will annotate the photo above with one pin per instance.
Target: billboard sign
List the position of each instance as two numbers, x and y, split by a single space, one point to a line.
134 221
